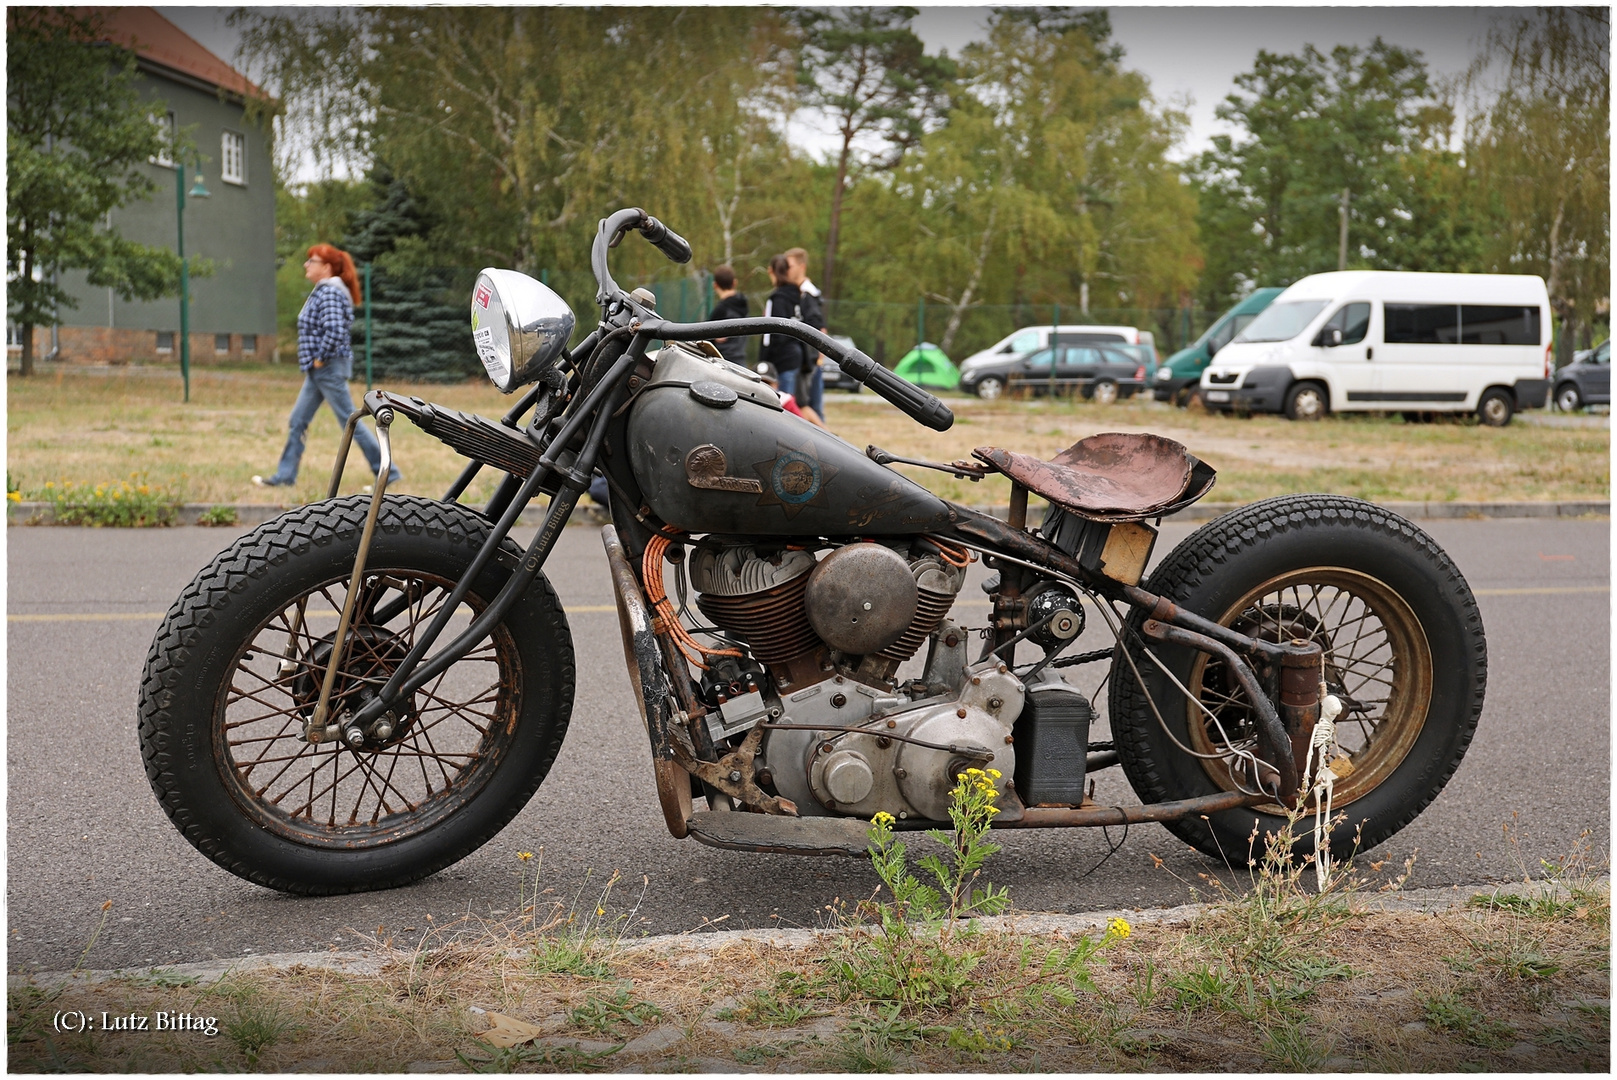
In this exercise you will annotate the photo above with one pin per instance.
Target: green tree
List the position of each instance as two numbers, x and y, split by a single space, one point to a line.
1340 160
418 318
1541 153
1051 177
871 74
78 142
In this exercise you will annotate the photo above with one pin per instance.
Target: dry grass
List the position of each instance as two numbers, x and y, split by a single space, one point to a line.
1518 985
99 427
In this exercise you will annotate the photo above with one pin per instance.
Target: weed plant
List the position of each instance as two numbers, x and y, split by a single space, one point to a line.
131 502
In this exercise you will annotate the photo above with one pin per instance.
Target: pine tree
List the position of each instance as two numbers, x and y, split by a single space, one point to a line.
419 329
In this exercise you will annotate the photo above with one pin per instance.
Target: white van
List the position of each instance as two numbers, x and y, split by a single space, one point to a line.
1368 340
1033 338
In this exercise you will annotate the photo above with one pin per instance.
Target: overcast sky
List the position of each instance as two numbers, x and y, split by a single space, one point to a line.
1191 55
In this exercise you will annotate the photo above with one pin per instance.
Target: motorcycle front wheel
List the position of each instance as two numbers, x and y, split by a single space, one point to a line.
1404 651
236 670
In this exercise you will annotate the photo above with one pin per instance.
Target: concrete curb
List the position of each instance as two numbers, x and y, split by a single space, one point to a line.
1031 923
39 513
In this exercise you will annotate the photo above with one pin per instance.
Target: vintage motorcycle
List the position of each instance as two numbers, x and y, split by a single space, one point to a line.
297 732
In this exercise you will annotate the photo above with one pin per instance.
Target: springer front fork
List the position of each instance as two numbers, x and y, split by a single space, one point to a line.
320 727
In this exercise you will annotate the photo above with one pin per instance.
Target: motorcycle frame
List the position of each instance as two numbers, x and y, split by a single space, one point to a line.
573 420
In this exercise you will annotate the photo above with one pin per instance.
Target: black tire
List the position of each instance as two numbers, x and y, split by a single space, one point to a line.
990 388
1567 397
1496 407
1307 401
479 740
1406 585
1102 392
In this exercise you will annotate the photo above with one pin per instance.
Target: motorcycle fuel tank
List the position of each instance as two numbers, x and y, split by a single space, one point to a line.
713 452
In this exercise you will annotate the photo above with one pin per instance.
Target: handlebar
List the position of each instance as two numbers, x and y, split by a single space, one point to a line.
910 399
611 230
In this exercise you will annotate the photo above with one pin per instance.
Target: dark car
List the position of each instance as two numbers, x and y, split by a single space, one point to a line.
1585 381
1101 372
831 374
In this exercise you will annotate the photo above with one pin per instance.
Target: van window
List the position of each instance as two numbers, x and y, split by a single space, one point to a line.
1422 324
1352 319
1282 322
1491 325
1023 343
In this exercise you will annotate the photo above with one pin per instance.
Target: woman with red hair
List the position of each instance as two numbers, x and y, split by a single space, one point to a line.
326 358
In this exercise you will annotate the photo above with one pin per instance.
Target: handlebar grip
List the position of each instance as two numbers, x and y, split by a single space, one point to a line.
666 240
914 402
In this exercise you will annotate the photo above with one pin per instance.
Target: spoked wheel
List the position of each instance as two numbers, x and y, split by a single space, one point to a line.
235 674
447 743
1104 392
1377 663
1403 649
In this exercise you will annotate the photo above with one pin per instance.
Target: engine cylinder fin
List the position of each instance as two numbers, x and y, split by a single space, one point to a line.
930 609
771 621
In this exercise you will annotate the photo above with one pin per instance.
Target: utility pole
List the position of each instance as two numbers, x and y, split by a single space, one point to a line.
1341 243
198 192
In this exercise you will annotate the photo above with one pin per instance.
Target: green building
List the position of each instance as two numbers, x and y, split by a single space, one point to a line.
232 312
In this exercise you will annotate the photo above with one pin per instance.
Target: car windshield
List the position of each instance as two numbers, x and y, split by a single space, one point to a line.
1282 322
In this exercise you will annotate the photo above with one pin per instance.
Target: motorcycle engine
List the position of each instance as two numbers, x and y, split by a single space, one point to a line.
846 737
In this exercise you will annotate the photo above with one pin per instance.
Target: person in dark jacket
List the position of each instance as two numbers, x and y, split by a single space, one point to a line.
731 305
784 354
811 383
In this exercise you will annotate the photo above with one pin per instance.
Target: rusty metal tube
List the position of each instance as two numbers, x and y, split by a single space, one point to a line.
1047 817
1270 729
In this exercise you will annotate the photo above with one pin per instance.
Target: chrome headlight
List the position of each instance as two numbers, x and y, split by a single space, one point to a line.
519 327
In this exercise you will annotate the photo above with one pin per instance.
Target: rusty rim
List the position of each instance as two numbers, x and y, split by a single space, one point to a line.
1377 660
454 732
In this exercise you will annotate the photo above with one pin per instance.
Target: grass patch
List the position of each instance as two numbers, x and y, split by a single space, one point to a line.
83 426
132 502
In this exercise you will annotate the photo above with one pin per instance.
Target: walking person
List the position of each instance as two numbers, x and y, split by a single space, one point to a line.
731 305
326 357
812 311
784 354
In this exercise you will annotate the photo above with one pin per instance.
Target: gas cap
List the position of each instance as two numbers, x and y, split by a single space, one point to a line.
713 394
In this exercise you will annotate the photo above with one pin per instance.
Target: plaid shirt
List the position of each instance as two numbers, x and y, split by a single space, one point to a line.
325 325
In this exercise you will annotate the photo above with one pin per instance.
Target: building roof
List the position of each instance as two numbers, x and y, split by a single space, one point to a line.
165 46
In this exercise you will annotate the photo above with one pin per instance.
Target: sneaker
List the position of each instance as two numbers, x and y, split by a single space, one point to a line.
270 481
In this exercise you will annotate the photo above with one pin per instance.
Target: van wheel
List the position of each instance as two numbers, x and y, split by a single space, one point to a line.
1419 417
990 388
1496 407
1567 398
1307 401
1104 392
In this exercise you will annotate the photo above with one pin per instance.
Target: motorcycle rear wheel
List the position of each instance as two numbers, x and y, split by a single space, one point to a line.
236 669
1404 650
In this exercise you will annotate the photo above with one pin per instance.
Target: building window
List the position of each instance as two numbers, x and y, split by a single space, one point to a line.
221 344
233 158
165 132
13 336
165 341
249 343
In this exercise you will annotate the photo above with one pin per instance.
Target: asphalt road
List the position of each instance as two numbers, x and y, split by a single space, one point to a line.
83 827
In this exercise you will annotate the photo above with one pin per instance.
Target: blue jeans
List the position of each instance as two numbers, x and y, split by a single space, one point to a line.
813 391
788 382
328 384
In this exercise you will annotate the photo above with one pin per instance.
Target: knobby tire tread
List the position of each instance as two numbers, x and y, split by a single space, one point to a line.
1203 556
208 597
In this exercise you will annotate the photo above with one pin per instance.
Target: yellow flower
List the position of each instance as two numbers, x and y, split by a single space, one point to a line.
995 773
524 855
14 496
882 817
1118 927
600 911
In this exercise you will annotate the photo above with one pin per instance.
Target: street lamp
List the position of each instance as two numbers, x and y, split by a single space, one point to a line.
197 192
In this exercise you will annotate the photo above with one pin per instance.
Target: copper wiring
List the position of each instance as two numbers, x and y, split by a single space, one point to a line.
667 620
956 557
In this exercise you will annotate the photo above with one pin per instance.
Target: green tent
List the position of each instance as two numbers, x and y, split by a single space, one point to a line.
925 365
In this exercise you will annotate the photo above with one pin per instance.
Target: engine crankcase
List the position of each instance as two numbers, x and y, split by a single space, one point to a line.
874 769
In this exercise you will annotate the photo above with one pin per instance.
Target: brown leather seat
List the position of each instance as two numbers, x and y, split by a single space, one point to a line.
1114 476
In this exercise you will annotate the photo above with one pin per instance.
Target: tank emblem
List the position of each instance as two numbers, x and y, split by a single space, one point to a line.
704 468
795 478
